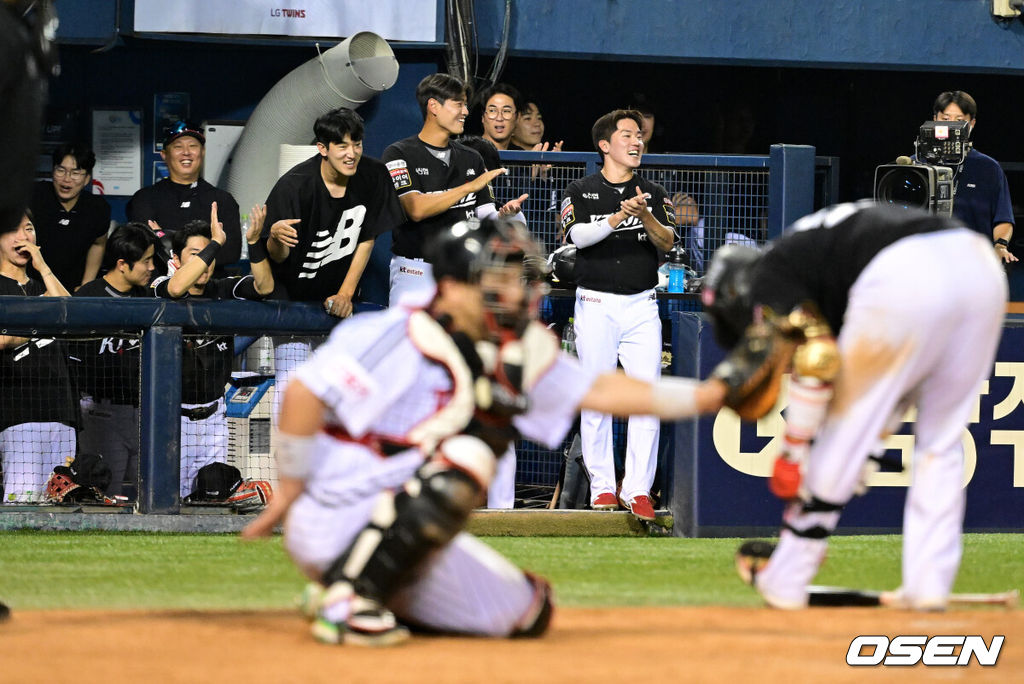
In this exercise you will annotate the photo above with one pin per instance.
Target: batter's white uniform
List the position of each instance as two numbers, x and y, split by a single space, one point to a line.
911 335
378 386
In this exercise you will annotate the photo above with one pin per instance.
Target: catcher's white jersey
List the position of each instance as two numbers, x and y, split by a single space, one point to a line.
379 388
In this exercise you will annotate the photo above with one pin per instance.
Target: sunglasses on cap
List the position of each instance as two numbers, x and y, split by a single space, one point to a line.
181 128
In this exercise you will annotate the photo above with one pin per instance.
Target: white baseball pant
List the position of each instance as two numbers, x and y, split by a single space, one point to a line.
203 442
910 332
624 328
465 587
30 452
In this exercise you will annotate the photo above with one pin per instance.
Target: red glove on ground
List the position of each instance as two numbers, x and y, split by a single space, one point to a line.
786 477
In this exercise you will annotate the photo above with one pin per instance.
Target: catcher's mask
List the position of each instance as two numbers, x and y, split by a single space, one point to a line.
492 253
727 295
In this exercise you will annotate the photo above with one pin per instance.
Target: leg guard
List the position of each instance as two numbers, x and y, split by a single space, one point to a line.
538 618
406 527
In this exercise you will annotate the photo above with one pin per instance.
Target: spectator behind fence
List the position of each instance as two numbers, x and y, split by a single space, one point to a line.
648 119
500 105
206 359
38 414
172 202
108 369
71 224
983 195
620 223
542 206
439 182
323 216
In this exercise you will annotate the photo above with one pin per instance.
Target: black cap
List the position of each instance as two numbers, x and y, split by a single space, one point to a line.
181 128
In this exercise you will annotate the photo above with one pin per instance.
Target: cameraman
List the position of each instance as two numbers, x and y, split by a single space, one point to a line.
982 193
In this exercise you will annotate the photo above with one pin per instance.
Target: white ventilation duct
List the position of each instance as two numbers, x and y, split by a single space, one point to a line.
347 75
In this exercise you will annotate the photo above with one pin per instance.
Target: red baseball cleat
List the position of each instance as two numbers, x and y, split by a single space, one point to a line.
605 501
641 506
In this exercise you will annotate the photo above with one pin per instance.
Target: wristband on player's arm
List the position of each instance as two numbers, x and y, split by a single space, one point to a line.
257 252
1002 241
209 253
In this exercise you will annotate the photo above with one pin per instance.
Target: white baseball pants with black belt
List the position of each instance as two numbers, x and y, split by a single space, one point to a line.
912 335
624 328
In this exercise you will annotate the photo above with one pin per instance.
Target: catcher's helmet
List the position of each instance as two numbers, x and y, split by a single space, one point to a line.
727 295
468 249
562 264
464 250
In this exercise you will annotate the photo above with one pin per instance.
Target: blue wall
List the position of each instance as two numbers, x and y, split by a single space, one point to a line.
960 34
954 34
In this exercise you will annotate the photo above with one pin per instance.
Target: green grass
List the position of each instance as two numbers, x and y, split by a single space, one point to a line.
91 570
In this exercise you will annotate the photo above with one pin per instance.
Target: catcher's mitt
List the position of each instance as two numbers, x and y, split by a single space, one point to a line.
62 488
751 557
753 371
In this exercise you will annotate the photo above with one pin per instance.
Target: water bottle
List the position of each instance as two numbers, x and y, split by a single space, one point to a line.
676 271
569 338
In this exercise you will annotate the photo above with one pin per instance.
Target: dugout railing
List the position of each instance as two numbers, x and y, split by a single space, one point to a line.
750 197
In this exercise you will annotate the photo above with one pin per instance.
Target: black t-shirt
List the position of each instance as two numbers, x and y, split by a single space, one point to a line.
820 257
416 166
330 228
625 262
172 205
64 236
109 368
34 382
206 359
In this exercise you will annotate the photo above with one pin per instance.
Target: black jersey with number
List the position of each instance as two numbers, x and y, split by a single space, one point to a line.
330 228
416 166
34 383
624 262
108 368
207 359
820 256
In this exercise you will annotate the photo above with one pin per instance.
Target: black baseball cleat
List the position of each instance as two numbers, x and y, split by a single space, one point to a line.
752 555
5 612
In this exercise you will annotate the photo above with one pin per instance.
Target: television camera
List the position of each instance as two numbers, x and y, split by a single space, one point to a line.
926 181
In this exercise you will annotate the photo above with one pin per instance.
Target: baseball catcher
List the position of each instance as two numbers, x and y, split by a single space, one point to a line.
855 302
388 435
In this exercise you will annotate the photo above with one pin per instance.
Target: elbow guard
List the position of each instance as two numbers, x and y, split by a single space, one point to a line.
294 455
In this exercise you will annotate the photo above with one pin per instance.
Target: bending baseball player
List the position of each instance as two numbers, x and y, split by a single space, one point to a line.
859 296
388 438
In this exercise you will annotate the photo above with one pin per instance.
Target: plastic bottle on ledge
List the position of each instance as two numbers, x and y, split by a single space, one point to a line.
569 338
676 270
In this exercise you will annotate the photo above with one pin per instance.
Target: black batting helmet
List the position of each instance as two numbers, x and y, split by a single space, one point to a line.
727 295
562 264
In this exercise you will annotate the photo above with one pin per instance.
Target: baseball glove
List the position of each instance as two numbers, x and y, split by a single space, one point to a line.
62 488
753 371
752 555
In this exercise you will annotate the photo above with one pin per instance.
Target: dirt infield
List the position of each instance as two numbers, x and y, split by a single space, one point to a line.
584 645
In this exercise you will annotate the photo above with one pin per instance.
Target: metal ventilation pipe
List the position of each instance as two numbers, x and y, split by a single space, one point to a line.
347 75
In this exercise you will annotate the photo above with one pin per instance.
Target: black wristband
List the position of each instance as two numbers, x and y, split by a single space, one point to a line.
257 252
1003 242
209 252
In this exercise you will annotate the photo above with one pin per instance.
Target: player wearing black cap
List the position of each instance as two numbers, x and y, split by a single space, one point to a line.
184 196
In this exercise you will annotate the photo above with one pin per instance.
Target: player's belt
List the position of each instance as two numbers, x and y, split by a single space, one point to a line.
378 443
199 412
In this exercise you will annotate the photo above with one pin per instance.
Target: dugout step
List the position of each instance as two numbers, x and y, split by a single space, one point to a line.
566 523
